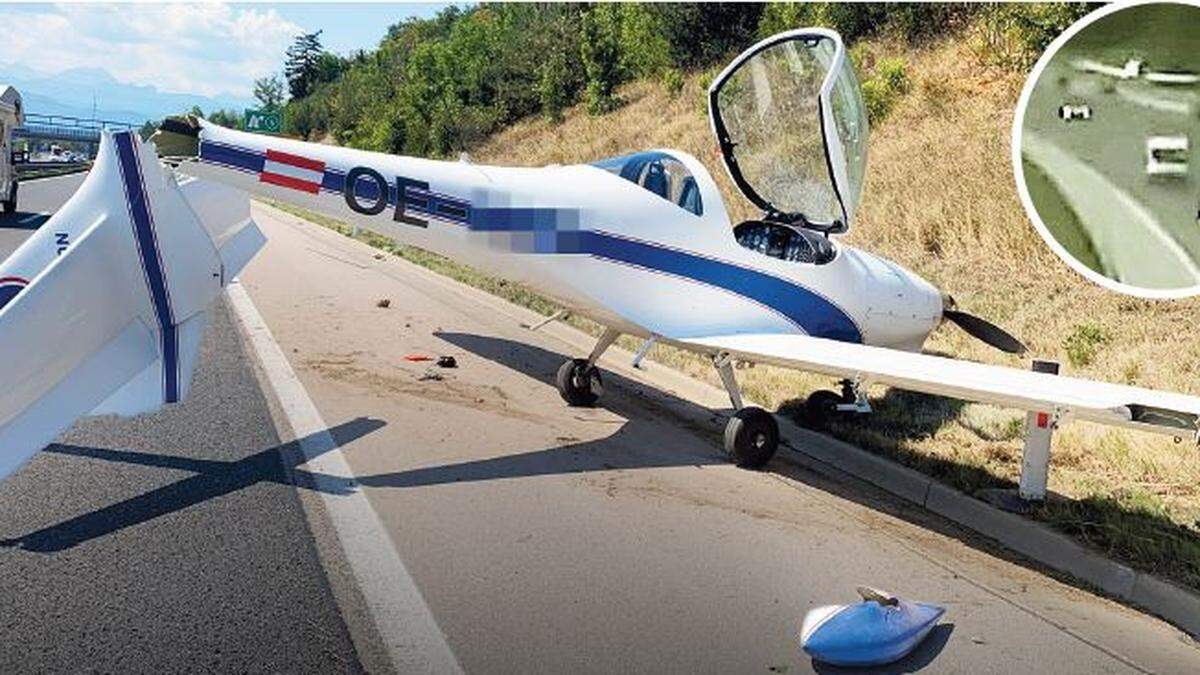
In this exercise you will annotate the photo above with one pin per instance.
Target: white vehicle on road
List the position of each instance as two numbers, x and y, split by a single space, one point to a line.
1070 112
1167 156
11 116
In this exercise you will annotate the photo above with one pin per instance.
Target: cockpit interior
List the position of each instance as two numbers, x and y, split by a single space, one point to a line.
794 244
659 173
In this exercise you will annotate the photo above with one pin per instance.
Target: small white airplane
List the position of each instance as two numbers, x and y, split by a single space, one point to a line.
1135 68
644 245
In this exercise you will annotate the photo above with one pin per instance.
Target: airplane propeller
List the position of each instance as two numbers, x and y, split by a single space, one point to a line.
981 329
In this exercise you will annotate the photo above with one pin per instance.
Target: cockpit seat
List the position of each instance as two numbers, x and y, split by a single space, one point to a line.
655 179
785 242
689 195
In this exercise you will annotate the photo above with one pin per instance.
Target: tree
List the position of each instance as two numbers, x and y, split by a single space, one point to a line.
302 64
147 130
553 86
230 119
269 92
599 49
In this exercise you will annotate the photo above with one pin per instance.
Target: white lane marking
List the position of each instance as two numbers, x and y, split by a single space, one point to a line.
34 216
404 622
1048 152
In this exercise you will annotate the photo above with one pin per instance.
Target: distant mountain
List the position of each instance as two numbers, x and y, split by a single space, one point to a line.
71 93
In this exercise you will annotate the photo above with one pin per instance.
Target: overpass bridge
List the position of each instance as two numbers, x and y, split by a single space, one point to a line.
65 128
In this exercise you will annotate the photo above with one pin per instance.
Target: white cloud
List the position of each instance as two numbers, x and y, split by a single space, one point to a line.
207 49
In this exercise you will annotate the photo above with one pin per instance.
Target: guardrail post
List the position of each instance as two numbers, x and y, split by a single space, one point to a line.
1035 460
1039 431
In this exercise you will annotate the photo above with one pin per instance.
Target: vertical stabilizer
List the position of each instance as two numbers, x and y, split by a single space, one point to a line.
106 303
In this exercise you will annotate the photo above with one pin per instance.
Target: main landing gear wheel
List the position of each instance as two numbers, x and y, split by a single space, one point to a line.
820 407
579 383
751 437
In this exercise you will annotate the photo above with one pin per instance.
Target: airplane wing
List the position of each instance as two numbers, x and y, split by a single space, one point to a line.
1112 404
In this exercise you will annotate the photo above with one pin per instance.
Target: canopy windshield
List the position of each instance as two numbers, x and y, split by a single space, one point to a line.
792 126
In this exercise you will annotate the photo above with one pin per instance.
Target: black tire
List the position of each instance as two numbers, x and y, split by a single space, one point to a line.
820 407
578 384
751 437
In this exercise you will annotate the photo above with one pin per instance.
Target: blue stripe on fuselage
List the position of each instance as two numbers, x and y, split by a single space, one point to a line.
147 244
811 312
555 231
231 156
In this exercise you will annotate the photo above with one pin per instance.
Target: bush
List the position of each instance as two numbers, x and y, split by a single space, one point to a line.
599 51
700 34
894 73
553 87
1013 36
673 82
887 82
1084 342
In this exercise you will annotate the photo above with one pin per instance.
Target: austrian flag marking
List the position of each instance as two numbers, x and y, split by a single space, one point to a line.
292 171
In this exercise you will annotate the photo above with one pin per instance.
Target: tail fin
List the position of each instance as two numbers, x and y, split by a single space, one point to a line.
102 309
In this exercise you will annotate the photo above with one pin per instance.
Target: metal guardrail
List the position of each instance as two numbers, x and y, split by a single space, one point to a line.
34 170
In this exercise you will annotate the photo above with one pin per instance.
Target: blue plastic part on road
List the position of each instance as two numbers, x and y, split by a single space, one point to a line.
869 633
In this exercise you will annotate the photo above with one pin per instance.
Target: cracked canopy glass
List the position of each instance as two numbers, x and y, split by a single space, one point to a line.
770 108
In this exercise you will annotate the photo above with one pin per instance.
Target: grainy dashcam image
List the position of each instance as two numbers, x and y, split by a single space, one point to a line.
1108 146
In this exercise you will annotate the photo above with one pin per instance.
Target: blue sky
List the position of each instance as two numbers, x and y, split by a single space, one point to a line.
351 26
211 49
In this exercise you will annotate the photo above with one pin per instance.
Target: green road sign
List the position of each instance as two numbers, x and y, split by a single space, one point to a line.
263 121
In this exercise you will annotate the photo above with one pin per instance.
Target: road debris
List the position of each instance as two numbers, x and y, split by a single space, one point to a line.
447 362
384 303
429 376
417 357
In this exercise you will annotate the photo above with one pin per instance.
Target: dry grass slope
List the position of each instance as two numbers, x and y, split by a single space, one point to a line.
941 200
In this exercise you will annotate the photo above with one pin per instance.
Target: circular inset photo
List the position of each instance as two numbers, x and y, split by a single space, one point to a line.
1104 147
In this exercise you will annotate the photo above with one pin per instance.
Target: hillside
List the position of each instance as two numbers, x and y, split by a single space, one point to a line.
941 200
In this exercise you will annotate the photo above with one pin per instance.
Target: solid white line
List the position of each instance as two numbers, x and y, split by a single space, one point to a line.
1137 213
404 622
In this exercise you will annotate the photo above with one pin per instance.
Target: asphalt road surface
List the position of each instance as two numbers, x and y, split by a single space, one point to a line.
618 538
519 534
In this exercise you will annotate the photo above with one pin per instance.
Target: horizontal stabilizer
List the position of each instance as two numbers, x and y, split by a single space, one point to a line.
104 307
1113 404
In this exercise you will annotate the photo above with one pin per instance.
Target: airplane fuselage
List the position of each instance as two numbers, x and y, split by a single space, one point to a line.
601 245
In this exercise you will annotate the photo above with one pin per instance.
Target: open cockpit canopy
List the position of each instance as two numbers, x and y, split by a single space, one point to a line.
792 126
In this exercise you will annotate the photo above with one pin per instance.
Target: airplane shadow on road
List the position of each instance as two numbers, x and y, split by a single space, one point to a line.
212 479
22 220
627 448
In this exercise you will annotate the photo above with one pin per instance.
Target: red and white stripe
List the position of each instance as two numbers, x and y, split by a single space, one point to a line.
292 171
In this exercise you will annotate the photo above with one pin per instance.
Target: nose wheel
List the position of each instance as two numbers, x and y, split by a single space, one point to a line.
752 434
579 383
578 380
751 437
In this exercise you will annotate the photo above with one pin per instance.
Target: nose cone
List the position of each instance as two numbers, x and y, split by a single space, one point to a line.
901 308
